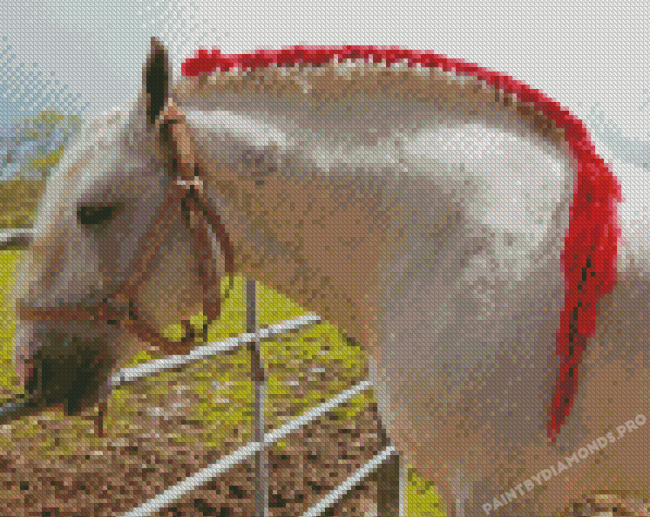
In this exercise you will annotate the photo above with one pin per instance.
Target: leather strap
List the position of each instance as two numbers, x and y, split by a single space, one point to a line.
187 196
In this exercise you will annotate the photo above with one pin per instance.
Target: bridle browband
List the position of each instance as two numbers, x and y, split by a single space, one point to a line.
186 192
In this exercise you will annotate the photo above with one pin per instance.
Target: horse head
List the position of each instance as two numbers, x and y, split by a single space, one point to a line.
115 230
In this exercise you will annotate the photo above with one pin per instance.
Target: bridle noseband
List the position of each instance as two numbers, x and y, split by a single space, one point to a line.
186 195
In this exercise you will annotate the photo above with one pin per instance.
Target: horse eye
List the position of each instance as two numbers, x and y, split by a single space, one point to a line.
95 215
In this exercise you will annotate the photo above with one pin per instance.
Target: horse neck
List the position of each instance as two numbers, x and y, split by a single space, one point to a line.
290 232
338 241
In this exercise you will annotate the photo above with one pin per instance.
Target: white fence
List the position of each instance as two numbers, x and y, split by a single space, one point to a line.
392 477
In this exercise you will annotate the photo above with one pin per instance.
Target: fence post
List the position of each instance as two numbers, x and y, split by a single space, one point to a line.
259 382
390 487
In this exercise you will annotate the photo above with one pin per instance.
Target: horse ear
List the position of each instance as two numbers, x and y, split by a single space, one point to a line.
155 80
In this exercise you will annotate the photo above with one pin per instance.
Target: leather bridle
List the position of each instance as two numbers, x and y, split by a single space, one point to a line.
186 194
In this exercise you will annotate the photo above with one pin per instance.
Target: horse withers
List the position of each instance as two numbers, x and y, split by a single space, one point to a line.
453 222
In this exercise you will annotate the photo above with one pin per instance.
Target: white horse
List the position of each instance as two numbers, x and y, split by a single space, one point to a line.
424 212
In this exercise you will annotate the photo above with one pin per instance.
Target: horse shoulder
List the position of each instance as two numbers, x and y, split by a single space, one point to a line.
618 352
617 364
621 325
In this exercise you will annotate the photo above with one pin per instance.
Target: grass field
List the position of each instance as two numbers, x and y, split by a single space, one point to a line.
295 356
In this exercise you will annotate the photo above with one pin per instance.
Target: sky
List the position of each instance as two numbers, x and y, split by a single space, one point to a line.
85 56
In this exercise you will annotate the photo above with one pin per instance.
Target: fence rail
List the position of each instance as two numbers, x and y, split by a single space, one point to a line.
392 477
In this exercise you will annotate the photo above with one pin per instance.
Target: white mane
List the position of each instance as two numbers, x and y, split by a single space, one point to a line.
343 82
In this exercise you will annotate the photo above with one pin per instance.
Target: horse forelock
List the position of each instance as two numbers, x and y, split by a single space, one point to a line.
84 172
123 127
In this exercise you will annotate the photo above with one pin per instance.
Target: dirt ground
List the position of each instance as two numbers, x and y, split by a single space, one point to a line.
113 475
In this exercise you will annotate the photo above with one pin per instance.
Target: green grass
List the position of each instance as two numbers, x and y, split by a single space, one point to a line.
284 358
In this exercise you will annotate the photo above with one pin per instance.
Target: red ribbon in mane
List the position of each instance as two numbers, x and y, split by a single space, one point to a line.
589 257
